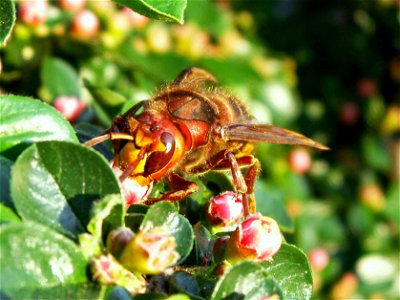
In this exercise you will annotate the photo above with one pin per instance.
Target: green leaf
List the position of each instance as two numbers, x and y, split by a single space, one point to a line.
168 10
376 153
7 20
56 183
7 214
65 291
35 257
246 280
291 271
165 214
107 214
201 12
59 78
25 120
392 208
270 202
105 96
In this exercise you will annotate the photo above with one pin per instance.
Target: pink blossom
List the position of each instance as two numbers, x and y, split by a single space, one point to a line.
257 238
69 106
225 209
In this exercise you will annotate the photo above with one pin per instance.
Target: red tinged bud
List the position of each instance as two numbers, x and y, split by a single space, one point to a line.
131 189
349 113
107 271
150 252
319 258
257 238
72 5
225 209
85 24
69 106
366 88
33 12
300 160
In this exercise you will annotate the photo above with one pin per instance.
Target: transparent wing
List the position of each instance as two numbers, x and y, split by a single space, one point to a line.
267 134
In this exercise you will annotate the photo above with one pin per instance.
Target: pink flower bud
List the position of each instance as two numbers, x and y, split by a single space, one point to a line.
257 238
72 5
85 24
300 160
150 252
225 209
69 106
33 12
131 189
319 258
118 239
106 270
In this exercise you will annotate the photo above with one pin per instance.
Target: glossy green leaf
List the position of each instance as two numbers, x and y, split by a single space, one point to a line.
59 78
7 214
7 20
168 10
291 271
35 257
56 183
166 215
25 120
246 280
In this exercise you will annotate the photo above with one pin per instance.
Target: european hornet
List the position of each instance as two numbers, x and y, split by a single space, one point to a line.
190 128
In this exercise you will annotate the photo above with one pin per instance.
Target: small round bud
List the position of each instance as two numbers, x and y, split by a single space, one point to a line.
85 24
319 258
257 238
300 160
33 12
131 189
366 88
72 5
106 270
69 106
225 209
349 113
150 252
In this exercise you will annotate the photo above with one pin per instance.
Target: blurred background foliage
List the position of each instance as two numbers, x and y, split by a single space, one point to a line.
327 69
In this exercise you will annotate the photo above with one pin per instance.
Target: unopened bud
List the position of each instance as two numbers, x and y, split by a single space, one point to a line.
131 189
225 209
150 252
257 238
106 270
69 106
